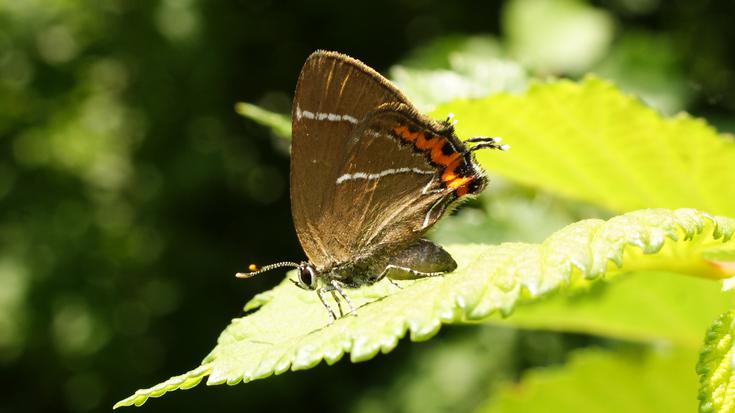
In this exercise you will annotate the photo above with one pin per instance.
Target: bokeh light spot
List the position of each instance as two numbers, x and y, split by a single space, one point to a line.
56 44
14 282
76 330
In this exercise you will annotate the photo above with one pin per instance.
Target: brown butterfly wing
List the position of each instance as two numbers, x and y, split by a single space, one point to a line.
333 94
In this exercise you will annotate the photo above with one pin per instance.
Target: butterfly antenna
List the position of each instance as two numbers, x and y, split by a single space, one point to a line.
484 142
254 270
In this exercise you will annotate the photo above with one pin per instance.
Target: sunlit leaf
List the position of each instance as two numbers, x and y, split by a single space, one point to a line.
289 330
597 381
643 306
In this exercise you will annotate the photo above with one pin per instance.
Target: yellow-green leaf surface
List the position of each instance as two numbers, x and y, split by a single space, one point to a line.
590 142
289 328
715 367
644 306
596 381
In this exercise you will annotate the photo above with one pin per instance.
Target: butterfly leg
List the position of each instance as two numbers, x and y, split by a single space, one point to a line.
339 304
338 286
320 292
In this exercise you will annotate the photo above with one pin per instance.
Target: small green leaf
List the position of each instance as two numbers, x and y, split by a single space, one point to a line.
597 381
589 142
290 329
715 367
279 123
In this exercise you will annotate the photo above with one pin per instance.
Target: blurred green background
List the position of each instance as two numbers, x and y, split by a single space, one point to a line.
131 191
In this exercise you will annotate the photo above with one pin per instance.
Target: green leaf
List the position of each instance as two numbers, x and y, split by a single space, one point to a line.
592 143
290 328
643 306
715 367
597 381
279 123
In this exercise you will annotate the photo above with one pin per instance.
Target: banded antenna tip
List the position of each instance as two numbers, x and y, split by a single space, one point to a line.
254 270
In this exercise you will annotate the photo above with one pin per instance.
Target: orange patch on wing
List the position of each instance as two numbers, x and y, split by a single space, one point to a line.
438 157
449 175
405 134
459 182
426 140
453 181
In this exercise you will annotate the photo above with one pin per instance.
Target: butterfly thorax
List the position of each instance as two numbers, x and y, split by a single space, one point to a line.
359 271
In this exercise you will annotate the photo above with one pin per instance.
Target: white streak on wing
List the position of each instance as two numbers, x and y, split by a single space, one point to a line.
392 171
428 213
331 117
426 188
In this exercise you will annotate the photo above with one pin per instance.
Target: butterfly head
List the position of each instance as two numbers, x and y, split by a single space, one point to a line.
307 278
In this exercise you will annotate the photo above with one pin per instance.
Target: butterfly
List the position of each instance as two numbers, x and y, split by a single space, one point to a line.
369 176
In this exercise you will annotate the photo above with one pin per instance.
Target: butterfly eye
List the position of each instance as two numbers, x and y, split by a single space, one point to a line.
307 280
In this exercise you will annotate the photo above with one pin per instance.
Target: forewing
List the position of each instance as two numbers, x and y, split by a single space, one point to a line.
333 94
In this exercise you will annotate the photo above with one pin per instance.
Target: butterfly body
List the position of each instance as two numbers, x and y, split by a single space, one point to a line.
423 256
